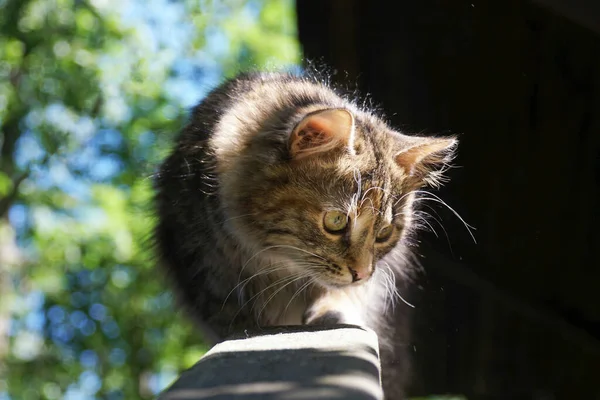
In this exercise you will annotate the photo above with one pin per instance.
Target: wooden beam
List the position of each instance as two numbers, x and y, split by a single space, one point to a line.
305 362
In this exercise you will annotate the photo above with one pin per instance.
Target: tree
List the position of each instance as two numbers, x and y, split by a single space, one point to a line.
91 95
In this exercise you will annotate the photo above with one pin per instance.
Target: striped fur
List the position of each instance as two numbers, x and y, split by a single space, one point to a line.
240 227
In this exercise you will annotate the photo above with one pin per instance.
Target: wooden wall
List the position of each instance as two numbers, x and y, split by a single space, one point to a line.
516 315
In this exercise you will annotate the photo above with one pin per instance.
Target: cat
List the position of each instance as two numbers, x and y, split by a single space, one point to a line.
284 202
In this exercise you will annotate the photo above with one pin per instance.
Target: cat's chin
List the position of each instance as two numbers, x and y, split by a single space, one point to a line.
333 285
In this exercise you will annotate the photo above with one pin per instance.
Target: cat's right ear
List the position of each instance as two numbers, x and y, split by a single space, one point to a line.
322 131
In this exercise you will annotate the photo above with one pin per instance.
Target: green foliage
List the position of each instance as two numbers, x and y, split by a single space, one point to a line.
92 93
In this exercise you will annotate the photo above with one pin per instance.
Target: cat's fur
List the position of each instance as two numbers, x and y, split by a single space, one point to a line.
241 201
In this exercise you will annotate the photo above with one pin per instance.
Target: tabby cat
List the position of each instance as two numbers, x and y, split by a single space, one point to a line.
284 202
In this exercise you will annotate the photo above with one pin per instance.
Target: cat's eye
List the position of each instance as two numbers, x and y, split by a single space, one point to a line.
384 233
335 221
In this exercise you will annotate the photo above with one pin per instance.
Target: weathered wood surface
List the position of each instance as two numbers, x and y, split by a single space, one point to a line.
300 363
516 315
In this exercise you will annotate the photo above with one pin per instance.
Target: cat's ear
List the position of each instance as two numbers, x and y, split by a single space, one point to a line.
322 131
425 159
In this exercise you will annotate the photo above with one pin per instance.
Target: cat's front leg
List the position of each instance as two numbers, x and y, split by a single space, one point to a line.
334 307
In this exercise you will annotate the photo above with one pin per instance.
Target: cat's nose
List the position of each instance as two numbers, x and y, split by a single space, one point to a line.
359 273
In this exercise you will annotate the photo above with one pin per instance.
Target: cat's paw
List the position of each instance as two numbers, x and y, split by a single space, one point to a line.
332 310
311 317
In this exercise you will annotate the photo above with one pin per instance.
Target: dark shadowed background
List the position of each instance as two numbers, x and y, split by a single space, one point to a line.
516 315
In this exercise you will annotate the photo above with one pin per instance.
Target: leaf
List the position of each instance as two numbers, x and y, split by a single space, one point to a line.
6 184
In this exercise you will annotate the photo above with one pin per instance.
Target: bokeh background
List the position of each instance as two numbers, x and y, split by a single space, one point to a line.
91 95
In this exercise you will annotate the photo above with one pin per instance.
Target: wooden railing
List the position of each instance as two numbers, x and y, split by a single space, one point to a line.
296 363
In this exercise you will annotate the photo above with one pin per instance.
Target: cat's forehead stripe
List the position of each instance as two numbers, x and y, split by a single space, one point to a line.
388 199
361 227
375 194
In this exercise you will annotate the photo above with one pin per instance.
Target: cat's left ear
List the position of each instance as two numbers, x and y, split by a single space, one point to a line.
424 159
321 132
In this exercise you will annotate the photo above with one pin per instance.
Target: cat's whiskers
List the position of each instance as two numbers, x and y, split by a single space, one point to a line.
369 189
311 267
420 217
274 267
297 278
301 289
284 281
364 196
390 284
400 213
254 256
402 197
396 292
287 266
375 211
297 248
436 199
210 185
273 284
417 213
294 275
433 210
264 271
408 258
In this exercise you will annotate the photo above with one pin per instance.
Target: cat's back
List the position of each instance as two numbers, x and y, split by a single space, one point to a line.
272 87
233 114
251 101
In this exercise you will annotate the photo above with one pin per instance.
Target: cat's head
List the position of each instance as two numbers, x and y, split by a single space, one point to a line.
339 198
